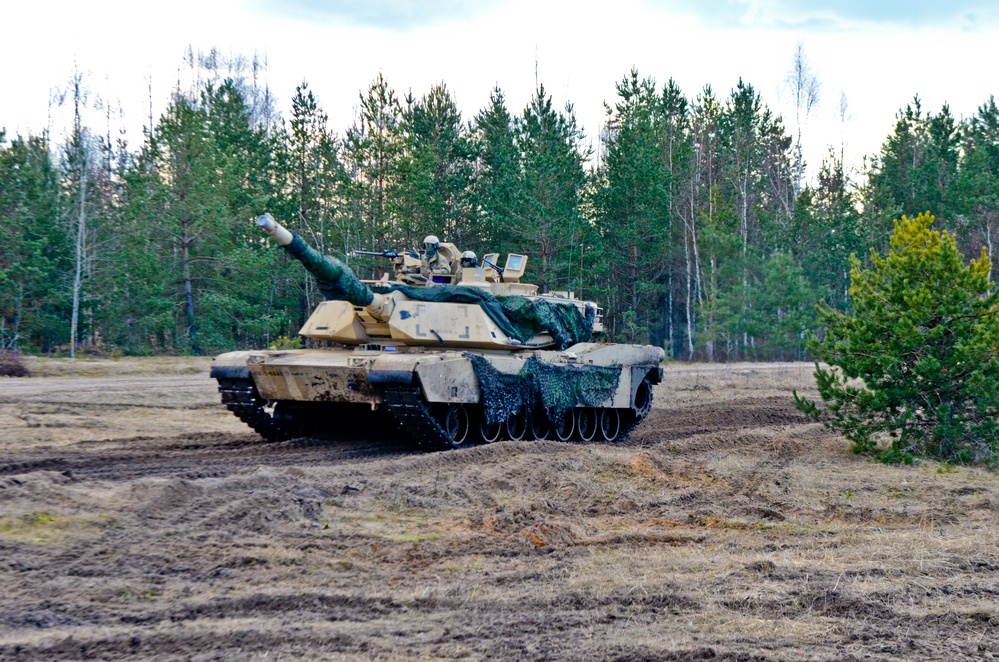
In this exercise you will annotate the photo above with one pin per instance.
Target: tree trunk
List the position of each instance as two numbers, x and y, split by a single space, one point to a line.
185 258
690 316
81 236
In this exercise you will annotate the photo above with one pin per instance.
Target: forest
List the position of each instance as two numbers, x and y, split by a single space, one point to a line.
689 217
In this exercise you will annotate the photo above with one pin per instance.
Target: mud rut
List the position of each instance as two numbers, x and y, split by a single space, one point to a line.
727 527
208 455
194 456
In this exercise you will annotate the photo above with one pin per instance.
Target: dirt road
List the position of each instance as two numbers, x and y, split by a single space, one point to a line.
139 519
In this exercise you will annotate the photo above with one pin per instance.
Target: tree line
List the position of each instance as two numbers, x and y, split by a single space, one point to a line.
689 220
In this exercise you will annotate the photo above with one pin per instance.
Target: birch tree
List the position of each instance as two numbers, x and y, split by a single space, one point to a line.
804 86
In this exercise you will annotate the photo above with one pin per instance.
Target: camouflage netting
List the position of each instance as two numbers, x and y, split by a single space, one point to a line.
335 279
518 317
542 386
563 321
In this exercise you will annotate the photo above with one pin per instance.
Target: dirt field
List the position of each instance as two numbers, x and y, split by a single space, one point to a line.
139 519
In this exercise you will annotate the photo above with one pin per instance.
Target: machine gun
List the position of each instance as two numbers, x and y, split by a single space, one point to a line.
393 254
492 265
406 265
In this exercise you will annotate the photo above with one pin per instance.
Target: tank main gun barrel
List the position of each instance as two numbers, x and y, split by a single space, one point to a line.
335 279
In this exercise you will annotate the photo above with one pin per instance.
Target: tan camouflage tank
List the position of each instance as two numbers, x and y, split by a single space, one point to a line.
454 359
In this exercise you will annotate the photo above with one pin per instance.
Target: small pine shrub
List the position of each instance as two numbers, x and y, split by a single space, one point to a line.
914 367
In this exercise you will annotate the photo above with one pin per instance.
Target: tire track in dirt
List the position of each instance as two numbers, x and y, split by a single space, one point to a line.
221 454
197 456
684 422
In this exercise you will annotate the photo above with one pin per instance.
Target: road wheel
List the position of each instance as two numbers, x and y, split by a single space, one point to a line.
516 427
565 426
454 420
540 425
586 423
490 431
610 424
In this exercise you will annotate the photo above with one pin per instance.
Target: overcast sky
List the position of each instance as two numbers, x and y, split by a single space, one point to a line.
876 54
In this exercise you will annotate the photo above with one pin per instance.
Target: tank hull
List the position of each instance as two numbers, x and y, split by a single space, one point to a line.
443 398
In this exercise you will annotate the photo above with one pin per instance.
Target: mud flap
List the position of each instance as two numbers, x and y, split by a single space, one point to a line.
638 374
390 376
230 372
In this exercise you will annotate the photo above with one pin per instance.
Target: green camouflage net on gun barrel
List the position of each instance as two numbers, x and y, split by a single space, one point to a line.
554 388
334 278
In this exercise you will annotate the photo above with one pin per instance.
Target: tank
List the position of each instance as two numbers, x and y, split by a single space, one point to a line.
453 351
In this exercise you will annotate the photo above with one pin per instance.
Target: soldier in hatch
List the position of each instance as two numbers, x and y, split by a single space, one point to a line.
436 267
468 260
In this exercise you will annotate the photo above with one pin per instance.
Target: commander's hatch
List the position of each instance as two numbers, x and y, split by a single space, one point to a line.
513 270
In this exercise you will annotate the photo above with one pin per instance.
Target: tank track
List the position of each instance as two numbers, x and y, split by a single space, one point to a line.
637 417
240 396
407 407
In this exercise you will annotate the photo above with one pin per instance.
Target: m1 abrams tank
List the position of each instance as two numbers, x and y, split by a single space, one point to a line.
474 359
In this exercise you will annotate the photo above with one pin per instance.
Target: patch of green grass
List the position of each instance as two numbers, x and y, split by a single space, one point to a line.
783 528
142 596
43 526
423 536
614 472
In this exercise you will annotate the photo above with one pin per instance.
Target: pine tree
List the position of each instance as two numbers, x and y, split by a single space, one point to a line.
919 160
634 203
922 339
783 309
371 151
435 172
34 248
242 280
176 193
497 180
829 230
550 226
320 192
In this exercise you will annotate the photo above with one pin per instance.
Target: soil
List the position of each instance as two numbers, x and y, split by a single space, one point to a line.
140 520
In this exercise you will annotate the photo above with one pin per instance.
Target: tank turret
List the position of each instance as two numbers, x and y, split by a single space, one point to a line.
474 314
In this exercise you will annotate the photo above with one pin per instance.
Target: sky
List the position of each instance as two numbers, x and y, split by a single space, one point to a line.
877 56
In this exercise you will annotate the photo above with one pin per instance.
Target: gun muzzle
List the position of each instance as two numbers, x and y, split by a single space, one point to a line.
267 223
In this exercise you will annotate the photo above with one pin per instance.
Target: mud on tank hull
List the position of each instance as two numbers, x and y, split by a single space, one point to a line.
443 399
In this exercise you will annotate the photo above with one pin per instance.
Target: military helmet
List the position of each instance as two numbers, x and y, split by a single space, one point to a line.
431 241
469 259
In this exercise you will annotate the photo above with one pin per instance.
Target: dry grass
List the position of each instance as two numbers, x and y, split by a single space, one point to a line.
728 527
41 366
